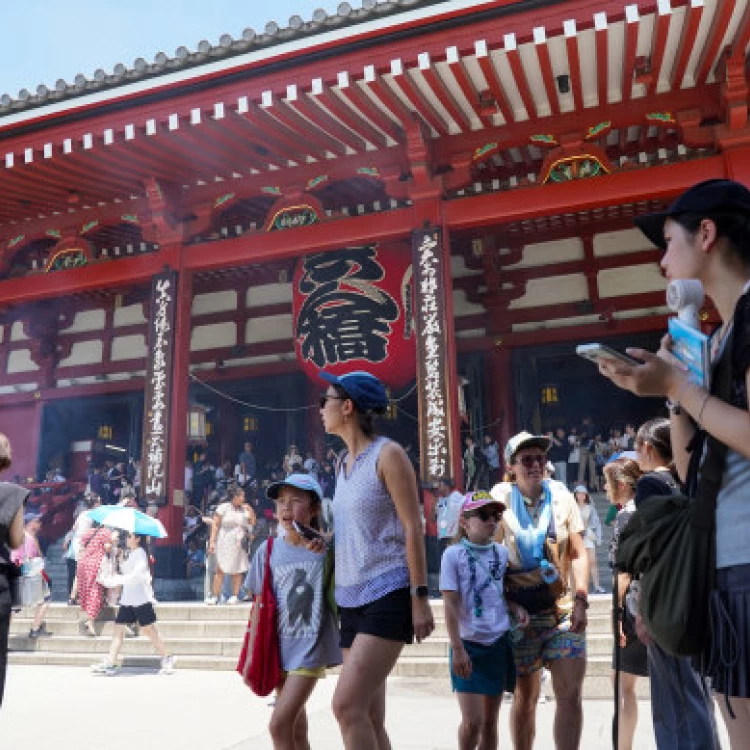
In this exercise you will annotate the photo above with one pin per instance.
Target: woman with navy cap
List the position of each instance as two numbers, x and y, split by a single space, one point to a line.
705 234
381 572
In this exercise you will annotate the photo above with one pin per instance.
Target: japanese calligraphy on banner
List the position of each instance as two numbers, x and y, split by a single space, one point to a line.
353 311
155 455
432 354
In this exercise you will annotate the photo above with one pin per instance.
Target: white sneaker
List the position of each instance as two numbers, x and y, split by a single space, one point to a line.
167 665
232 600
212 600
104 668
600 590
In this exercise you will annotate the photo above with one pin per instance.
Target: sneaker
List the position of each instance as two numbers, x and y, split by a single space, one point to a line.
33 634
167 664
212 600
232 600
600 590
104 668
130 631
43 630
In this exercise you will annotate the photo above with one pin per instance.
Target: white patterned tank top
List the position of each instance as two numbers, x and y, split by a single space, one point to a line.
370 541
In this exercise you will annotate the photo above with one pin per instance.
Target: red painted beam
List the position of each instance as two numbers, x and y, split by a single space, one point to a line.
353 94
574 65
495 85
423 107
519 76
468 89
572 334
350 117
602 65
545 64
711 48
379 227
662 182
690 26
441 91
631 45
662 21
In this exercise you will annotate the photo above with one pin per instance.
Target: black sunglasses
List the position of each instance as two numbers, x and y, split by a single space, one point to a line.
325 398
530 461
484 514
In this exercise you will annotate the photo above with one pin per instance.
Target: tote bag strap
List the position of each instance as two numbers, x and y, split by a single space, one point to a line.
267 572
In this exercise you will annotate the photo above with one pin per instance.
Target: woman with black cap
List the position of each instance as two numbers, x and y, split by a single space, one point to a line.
706 236
381 572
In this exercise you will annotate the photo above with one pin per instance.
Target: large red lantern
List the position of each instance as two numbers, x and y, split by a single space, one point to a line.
353 311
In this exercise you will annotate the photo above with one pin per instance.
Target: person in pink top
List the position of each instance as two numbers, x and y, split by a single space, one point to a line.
36 586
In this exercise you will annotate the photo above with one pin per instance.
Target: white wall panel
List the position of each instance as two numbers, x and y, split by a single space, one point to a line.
617 243
86 320
128 347
273 328
269 294
558 251
214 302
16 332
632 280
20 361
213 336
129 315
553 291
83 353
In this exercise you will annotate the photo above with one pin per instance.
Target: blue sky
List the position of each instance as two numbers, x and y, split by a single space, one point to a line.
44 40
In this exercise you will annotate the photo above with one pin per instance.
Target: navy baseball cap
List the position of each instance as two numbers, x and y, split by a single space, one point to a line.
367 392
707 198
305 482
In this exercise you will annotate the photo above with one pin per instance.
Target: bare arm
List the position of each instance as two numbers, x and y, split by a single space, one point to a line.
580 566
461 662
215 523
397 473
15 533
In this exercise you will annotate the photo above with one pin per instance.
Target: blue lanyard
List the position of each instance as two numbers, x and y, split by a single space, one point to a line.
477 590
530 538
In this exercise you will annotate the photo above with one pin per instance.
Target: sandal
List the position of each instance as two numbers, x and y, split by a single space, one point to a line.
88 629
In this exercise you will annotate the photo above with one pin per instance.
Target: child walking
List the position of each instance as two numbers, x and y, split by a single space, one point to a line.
478 620
136 606
308 633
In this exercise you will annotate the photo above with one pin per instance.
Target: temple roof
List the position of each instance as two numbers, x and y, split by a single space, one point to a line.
265 41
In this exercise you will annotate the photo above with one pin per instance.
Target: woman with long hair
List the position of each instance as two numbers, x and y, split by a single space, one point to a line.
95 545
620 479
381 571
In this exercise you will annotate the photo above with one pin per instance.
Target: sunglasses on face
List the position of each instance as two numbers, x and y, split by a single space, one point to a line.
325 398
530 461
485 514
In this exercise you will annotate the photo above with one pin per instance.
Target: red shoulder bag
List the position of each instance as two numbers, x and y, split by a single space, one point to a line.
260 659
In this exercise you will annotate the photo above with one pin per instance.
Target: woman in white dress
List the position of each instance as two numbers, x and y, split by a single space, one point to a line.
231 528
592 533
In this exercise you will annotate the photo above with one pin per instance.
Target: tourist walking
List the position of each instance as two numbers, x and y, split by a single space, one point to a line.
478 621
491 452
136 605
381 572
447 511
96 543
308 631
475 465
574 456
232 524
543 532
621 478
12 499
558 454
592 532
36 591
706 236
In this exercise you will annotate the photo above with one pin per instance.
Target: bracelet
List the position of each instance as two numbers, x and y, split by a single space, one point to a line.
674 406
583 598
703 406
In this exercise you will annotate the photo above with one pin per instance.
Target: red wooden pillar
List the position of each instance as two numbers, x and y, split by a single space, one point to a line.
170 563
737 163
500 379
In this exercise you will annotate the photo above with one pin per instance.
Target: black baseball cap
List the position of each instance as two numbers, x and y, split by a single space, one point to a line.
707 198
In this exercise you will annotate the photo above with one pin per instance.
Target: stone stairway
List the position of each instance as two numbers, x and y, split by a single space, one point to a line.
203 637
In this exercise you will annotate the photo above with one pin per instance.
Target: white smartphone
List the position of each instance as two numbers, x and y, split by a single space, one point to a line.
597 352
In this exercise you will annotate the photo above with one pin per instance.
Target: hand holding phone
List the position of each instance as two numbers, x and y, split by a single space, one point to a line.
306 532
598 352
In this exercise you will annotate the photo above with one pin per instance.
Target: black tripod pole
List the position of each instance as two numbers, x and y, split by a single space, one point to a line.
616 620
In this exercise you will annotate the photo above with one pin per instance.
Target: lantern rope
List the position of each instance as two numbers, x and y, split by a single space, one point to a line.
285 409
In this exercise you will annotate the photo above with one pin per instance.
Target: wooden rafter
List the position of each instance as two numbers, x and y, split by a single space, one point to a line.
690 26
719 23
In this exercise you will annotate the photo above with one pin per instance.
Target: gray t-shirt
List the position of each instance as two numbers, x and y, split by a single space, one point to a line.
733 513
308 632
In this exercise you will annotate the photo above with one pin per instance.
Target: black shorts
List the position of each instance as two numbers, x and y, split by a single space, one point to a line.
143 614
388 617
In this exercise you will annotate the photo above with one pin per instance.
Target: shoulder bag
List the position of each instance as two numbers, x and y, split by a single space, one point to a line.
260 658
670 541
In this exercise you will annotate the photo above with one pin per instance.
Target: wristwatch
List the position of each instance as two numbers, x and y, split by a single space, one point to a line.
421 592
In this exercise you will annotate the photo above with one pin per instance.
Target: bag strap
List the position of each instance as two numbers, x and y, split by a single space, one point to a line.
267 573
712 468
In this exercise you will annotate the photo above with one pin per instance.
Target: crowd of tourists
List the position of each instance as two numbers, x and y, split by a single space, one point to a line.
516 561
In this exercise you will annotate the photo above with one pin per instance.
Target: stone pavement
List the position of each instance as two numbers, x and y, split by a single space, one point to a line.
68 708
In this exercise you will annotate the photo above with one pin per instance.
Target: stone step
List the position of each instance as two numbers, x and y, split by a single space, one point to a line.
234 629
129 660
207 647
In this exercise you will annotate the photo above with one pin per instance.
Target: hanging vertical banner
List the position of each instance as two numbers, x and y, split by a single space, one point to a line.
432 352
155 454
